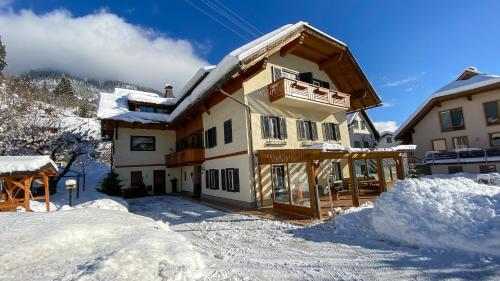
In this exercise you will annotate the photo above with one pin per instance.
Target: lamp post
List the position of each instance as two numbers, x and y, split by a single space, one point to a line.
70 185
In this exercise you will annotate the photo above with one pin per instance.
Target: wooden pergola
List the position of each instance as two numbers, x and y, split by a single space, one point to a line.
17 182
313 158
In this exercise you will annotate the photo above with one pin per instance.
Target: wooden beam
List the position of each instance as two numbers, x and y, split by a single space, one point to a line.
331 61
288 48
354 185
46 192
260 187
313 197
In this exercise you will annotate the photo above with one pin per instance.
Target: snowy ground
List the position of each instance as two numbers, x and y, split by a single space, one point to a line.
239 247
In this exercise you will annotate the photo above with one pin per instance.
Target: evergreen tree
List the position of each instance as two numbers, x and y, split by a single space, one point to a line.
3 54
111 185
64 87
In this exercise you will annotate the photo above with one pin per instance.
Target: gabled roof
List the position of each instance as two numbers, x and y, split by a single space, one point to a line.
351 116
114 106
470 82
299 39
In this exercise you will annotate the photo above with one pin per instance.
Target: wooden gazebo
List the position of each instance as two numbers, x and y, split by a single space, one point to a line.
313 158
17 174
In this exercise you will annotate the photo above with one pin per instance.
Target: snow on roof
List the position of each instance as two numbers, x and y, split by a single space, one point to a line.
338 147
194 80
232 61
114 106
150 99
455 87
23 164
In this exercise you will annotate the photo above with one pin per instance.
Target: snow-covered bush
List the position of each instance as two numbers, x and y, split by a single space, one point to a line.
454 213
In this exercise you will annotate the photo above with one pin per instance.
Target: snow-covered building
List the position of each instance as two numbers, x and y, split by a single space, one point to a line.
458 127
387 140
362 132
266 126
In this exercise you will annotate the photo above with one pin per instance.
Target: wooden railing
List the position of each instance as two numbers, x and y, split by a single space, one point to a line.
286 87
186 156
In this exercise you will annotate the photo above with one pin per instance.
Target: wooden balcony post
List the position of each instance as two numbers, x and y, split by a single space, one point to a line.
354 183
313 196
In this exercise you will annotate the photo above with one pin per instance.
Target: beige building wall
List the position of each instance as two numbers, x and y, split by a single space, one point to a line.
125 161
476 130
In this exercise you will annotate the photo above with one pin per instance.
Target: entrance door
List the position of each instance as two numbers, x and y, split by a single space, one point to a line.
159 182
197 181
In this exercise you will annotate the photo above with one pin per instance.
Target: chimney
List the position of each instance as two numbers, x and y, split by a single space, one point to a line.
169 91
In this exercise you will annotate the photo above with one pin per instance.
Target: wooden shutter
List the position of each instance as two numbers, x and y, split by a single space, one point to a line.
223 178
216 174
314 131
283 133
264 124
213 137
337 131
300 129
277 73
206 139
228 131
236 180
207 179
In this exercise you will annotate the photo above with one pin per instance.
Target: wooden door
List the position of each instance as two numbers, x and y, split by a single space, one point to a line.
159 182
135 179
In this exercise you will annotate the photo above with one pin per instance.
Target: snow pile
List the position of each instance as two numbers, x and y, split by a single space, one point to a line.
92 244
152 99
452 214
12 164
105 204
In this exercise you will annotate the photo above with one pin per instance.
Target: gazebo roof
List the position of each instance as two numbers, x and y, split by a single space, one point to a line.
26 165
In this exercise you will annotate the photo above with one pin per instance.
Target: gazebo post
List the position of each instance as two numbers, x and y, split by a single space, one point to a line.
27 188
46 192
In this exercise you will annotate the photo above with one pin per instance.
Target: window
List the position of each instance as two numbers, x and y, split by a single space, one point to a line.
495 139
307 130
212 179
136 179
451 120
366 144
355 124
279 184
331 131
439 145
211 137
491 110
460 142
389 139
363 125
230 179
357 144
273 127
228 131
279 73
455 169
138 143
486 169
320 83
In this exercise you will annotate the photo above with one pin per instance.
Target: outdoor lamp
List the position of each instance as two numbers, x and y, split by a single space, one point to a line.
70 185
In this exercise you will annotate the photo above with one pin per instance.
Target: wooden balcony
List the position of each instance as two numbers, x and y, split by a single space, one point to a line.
188 156
290 92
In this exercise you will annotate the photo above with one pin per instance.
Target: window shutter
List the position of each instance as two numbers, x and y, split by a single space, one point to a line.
228 131
314 131
223 178
299 130
325 135
214 136
337 131
216 179
207 179
277 73
264 122
283 133
206 139
236 180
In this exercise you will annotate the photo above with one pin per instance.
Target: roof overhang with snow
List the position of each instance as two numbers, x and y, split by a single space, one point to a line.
26 165
300 39
469 83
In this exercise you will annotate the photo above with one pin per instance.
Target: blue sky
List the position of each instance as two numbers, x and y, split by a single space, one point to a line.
407 49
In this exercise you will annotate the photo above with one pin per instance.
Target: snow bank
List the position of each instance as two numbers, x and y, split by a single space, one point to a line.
12 164
452 214
93 244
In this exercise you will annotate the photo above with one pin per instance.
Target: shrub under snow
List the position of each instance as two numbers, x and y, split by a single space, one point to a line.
454 213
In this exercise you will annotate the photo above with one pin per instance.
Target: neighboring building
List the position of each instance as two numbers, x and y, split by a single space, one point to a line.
362 132
267 125
458 127
387 140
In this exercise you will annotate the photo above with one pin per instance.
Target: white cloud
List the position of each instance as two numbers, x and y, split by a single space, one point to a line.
387 104
385 126
100 45
410 89
400 82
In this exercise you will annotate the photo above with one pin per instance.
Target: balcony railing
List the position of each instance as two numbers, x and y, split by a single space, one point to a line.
290 88
472 155
188 156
